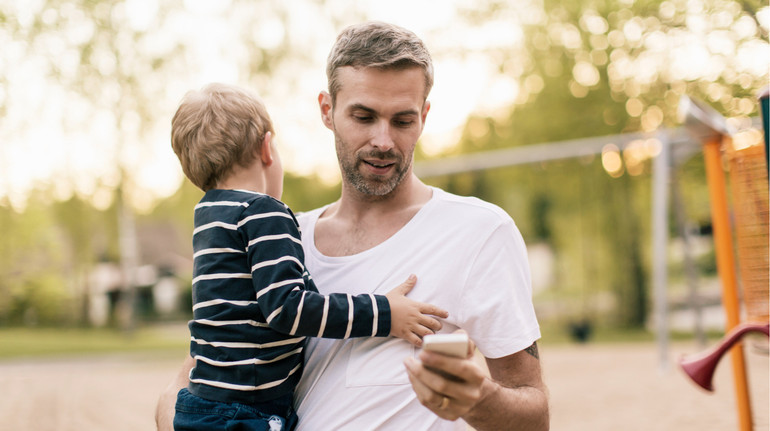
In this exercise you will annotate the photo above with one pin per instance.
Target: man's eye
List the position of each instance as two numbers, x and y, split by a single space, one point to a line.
363 118
404 123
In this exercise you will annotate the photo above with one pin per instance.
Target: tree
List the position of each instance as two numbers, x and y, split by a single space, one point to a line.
597 68
107 77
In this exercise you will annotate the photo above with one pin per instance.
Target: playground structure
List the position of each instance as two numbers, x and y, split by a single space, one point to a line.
701 367
749 180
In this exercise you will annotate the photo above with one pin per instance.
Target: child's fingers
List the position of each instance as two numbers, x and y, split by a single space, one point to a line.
405 287
414 339
422 331
433 310
430 323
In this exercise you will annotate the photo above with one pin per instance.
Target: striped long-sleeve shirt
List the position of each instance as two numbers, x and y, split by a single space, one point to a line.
254 303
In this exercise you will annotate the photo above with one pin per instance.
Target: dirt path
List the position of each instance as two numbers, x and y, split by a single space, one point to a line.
592 387
104 393
623 388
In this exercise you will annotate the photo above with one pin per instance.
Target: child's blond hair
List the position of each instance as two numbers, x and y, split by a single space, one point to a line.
216 128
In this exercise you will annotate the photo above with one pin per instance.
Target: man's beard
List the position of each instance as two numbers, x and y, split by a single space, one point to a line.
372 186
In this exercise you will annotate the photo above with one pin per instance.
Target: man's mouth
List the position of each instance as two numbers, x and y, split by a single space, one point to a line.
379 164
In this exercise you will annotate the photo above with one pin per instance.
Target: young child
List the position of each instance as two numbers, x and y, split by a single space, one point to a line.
253 301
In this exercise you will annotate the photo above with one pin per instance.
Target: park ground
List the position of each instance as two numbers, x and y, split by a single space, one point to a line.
593 386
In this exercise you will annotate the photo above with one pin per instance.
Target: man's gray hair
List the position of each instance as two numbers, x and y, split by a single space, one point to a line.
379 45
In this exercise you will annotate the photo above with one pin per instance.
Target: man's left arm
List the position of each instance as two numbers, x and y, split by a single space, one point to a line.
513 397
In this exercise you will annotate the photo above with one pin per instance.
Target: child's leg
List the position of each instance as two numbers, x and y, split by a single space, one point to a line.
275 415
247 421
197 414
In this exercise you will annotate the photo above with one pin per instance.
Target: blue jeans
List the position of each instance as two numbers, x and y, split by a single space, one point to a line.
198 414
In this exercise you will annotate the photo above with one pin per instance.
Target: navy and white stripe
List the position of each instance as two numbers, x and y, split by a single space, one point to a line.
254 303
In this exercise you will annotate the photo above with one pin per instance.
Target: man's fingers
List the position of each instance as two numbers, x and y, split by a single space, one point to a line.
471 348
463 369
423 392
432 387
424 383
420 377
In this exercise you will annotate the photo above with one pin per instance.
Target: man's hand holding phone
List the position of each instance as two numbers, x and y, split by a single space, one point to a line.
455 345
445 378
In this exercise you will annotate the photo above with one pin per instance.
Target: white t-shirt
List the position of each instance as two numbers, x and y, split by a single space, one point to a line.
470 260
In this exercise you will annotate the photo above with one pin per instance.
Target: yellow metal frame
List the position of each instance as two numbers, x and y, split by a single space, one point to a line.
726 267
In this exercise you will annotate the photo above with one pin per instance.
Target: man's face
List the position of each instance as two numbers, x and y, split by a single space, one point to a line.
377 118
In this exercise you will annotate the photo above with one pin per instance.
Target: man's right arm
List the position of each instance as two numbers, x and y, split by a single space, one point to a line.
164 411
513 397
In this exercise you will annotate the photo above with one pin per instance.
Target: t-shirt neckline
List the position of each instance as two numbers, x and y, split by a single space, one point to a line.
421 213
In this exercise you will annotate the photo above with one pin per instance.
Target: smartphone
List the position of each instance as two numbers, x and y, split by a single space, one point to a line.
448 344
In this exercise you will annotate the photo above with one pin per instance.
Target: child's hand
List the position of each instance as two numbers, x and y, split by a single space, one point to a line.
409 319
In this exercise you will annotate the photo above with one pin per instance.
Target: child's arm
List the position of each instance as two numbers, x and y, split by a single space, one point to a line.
291 304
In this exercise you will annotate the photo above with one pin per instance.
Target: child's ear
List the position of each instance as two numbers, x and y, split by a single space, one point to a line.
266 153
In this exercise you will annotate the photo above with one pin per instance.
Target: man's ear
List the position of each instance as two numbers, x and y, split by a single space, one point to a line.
266 153
425 109
325 104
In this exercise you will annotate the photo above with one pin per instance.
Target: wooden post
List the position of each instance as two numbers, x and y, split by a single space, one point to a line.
727 272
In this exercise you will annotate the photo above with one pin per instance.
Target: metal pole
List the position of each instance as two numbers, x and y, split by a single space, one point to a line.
129 263
660 182
726 267
691 271
764 111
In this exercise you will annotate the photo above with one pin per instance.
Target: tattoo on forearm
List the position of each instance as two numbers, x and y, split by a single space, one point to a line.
532 350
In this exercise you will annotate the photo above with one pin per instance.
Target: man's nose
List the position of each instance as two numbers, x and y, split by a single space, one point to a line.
382 139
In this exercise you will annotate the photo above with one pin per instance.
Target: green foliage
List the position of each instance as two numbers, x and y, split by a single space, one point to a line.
307 193
595 69
582 69
49 247
30 264
42 342
594 223
47 250
42 300
177 209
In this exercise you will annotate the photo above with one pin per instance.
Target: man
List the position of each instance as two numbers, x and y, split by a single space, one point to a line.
467 254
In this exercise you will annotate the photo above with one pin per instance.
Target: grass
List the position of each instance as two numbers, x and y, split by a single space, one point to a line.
47 342
558 333
42 342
